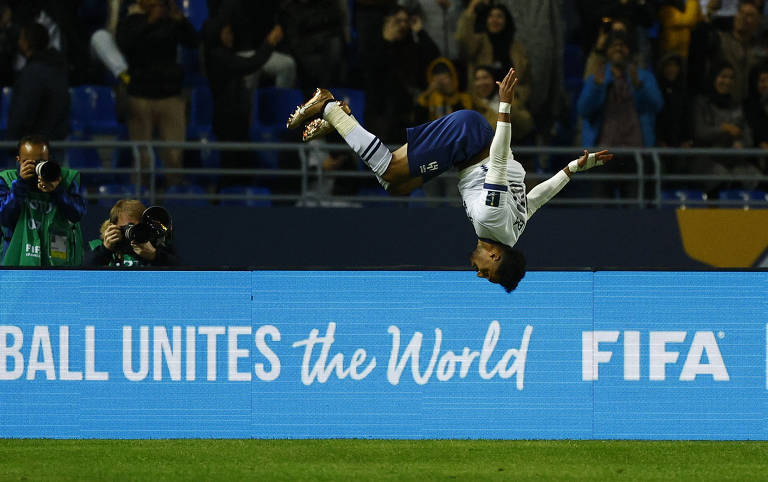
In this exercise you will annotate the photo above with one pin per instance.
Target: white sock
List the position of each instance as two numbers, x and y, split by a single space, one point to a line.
371 150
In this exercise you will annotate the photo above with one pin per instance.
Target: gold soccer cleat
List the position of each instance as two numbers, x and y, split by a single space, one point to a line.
318 128
309 109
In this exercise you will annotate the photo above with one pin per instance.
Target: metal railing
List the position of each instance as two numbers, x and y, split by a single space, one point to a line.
648 176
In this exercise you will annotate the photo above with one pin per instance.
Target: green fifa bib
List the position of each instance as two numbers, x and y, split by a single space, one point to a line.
42 236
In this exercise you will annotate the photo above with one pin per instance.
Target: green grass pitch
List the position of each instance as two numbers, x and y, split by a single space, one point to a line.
379 460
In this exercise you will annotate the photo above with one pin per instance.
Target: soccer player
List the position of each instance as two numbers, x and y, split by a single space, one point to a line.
491 182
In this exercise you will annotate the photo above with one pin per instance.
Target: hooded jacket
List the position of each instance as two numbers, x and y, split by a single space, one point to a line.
437 104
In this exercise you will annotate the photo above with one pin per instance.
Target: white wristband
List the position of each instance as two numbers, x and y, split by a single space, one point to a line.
505 108
573 166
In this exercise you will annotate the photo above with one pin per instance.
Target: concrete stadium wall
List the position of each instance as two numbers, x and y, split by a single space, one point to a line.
393 354
442 237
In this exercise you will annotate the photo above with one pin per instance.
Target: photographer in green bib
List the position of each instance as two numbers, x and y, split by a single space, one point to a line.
41 206
133 237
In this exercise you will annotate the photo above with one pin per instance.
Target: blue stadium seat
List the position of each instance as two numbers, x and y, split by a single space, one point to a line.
573 61
693 197
86 158
373 191
186 189
355 98
93 110
271 108
200 113
196 12
744 195
116 189
416 199
5 107
250 191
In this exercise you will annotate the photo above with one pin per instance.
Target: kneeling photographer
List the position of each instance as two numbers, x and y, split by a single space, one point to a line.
134 236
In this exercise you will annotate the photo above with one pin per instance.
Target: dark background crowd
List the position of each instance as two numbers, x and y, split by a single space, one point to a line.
609 73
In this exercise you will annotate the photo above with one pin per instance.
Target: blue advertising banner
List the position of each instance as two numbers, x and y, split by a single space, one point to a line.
393 354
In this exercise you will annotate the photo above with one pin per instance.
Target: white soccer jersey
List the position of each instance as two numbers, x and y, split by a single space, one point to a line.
495 212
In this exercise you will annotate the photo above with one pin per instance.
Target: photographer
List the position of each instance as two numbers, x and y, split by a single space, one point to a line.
40 209
127 218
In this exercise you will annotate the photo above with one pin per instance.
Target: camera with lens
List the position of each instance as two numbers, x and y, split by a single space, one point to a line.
48 171
155 226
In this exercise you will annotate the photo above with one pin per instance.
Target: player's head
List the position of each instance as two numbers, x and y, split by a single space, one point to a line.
498 264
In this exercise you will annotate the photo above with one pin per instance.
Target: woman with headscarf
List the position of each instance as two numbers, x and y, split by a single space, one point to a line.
719 121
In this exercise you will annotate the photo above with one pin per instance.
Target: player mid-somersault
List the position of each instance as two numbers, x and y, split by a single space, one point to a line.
491 186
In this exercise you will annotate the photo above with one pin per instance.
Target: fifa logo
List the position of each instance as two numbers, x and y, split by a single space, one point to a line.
432 166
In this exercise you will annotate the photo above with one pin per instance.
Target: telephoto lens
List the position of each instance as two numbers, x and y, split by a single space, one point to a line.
48 171
140 233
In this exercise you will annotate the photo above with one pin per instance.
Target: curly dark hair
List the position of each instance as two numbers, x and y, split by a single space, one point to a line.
511 268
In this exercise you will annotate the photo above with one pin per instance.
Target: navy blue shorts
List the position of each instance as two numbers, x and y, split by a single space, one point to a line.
437 146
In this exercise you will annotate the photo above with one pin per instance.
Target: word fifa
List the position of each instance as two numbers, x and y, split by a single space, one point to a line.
221 352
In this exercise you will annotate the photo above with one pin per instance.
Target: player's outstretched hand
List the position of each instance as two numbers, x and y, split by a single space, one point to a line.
588 161
507 87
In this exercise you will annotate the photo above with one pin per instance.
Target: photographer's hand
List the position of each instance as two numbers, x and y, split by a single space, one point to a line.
46 186
112 237
144 250
27 170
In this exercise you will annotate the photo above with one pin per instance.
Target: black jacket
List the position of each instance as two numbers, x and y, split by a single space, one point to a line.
40 102
225 71
101 256
151 51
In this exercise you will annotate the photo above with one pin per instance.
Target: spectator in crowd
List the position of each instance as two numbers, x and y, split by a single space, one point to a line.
67 33
40 101
677 20
638 15
619 102
737 46
113 250
494 44
756 107
395 73
104 47
252 22
226 73
314 36
618 106
9 38
673 122
440 18
149 38
540 24
369 17
485 100
596 59
40 217
442 96
719 121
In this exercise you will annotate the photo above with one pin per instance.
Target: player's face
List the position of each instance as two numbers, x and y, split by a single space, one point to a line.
724 81
484 263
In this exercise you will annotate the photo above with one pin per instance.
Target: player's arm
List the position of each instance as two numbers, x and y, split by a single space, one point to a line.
496 177
543 192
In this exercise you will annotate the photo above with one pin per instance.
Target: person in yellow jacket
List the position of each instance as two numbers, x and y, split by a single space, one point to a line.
442 97
676 26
